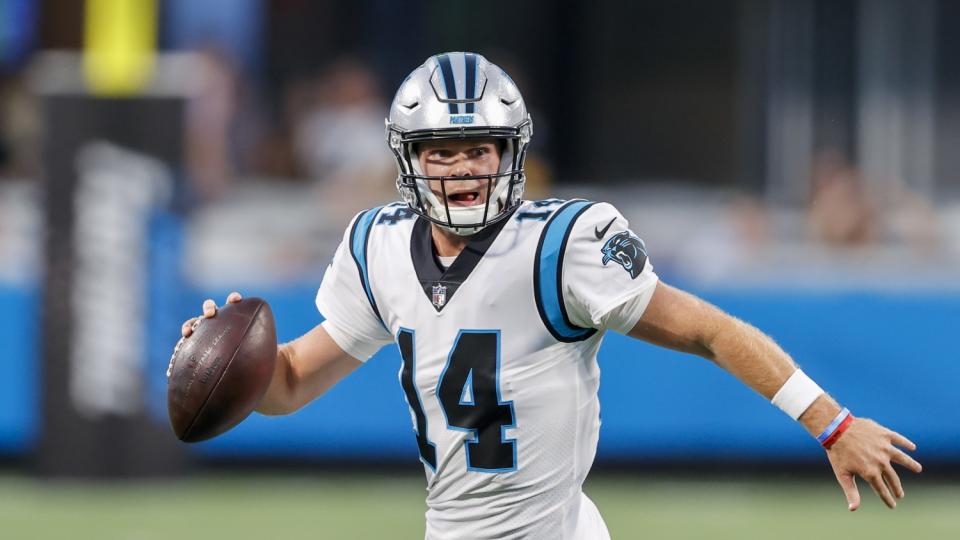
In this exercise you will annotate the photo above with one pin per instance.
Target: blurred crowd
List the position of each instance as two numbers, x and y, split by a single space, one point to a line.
324 137
313 138
327 131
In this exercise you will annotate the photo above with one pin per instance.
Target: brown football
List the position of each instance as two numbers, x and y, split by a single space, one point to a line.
219 374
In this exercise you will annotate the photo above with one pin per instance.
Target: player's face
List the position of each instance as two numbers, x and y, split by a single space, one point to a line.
460 158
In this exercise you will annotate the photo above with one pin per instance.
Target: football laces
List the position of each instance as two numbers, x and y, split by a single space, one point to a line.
176 348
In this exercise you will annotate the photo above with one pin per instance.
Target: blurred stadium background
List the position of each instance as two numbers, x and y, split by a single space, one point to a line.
794 161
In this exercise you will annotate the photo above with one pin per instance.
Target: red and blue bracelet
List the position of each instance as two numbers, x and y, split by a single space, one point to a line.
835 428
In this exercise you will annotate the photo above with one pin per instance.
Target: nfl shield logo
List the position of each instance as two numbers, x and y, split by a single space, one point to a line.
439 295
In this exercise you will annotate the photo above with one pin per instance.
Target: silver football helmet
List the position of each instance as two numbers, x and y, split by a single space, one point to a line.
459 95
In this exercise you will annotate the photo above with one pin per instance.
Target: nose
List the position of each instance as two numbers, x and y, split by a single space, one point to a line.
462 168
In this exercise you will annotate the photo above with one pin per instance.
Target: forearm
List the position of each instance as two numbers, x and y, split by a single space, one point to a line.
748 354
683 322
757 360
306 368
280 396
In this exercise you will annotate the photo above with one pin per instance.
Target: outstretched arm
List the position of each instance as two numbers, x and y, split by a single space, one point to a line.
683 322
306 367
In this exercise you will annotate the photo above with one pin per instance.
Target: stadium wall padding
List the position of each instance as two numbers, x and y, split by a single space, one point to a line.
19 367
891 356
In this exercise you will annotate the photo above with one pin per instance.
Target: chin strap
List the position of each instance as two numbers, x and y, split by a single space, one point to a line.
462 231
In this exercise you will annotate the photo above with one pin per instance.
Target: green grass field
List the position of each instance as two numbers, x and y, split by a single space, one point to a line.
360 507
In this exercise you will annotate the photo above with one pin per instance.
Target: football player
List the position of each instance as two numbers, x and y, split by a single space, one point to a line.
498 306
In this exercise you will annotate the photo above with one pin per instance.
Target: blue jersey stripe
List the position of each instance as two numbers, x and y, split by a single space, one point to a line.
548 273
471 77
446 73
359 238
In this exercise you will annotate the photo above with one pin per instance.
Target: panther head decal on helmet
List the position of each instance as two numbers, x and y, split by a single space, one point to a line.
459 95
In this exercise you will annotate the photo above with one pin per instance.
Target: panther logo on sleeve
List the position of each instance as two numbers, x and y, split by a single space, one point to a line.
626 250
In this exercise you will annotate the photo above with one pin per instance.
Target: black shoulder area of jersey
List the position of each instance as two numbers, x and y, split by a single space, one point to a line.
433 277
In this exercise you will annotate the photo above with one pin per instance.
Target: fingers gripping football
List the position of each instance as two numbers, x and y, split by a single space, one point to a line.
221 368
868 450
209 309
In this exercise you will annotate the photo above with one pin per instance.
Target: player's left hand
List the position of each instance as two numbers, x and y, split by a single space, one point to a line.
868 450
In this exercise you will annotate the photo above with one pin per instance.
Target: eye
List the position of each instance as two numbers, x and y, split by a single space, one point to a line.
479 151
439 153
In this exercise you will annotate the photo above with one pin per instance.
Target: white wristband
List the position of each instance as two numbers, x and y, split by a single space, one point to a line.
797 394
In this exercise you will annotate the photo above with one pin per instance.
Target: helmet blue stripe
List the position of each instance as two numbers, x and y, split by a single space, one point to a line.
471 84
446 73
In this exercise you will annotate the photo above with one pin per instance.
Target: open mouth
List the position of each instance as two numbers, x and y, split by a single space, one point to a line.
464 198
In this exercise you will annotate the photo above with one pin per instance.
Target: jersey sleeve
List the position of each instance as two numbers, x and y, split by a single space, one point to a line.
608 278
342 300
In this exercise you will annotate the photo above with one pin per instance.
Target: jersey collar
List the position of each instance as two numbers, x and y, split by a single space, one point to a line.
438 284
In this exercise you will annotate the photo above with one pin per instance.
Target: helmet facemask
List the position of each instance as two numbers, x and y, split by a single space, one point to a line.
430 196
459 96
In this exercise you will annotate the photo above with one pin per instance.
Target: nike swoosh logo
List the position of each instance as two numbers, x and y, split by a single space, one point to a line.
603 231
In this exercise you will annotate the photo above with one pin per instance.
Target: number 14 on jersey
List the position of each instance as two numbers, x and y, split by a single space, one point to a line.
469 396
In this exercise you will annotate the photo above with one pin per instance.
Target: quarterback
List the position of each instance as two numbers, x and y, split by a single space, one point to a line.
498 306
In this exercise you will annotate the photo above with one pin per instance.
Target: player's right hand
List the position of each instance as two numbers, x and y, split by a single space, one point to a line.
209 310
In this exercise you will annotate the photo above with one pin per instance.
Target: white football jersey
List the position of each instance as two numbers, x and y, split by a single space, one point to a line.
499 354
